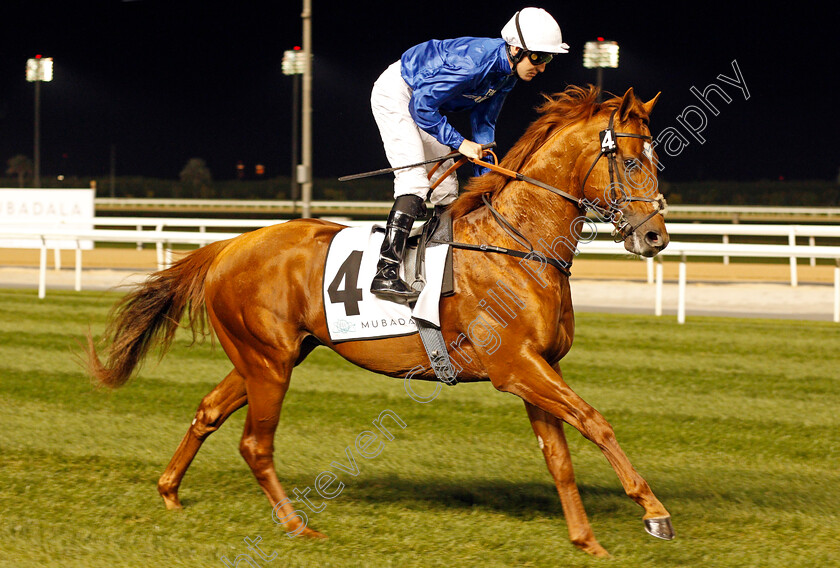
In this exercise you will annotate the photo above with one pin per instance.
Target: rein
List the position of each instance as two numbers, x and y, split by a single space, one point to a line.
623 228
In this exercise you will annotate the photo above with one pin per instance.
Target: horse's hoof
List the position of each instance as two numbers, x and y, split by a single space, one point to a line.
311 533
596 550
172 502
587 543
660 527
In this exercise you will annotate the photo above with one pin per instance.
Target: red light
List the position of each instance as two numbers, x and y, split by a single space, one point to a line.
600 39
297 48
38 56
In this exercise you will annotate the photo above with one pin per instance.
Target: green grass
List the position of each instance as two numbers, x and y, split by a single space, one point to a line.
733 423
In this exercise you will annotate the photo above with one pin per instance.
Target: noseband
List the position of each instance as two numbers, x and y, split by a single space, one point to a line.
613 210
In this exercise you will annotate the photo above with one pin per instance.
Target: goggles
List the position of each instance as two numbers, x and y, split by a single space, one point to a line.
539 57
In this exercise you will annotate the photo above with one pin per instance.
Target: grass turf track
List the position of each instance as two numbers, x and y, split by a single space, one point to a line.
734 423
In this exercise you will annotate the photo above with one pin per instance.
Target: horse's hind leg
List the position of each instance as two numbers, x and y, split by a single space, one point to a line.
225 399
266 384
549 432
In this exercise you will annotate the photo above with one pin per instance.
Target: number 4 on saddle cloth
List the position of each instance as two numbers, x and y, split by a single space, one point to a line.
353 313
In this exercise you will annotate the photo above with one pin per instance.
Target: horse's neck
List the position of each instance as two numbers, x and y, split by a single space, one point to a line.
540 215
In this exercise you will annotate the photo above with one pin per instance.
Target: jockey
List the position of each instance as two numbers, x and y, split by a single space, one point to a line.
409 101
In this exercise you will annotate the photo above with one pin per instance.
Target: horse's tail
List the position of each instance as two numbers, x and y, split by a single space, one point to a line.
151 314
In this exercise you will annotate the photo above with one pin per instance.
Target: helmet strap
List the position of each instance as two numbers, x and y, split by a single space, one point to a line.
515 59
523 51
519 31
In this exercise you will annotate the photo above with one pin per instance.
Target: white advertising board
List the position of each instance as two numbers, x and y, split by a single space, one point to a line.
44 210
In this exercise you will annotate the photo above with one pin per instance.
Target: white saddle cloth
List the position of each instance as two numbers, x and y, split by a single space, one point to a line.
351 310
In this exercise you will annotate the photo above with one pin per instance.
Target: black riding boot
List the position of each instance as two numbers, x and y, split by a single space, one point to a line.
387 283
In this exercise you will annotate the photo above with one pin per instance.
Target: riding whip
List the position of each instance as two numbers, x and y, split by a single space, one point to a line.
389 170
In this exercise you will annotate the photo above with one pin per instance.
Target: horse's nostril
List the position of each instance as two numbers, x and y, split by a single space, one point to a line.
653 238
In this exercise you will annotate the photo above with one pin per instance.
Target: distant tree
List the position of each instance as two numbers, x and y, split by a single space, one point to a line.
20 166
196 178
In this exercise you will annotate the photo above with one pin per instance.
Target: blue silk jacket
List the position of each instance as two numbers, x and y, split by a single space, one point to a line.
463 74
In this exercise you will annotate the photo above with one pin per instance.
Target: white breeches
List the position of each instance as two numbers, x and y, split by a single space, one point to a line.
406 143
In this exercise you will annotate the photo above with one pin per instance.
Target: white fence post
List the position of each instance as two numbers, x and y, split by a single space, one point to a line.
78 266
42 271
161 260
681 293
657 310
726 242
837 292
792 242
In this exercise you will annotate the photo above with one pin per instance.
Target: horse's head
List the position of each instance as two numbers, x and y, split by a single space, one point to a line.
617 173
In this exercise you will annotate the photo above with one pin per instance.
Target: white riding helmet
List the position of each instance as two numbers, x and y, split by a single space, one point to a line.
533 29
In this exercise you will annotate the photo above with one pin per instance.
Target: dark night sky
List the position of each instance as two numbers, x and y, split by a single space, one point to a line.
167 81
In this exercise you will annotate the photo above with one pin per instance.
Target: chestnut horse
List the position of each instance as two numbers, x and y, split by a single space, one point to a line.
261 292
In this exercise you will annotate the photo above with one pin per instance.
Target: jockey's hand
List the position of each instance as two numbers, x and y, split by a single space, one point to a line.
471 149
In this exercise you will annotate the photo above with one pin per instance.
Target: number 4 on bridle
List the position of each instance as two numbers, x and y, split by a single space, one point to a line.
261 293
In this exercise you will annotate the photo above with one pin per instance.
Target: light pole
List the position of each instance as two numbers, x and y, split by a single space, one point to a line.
294 62
300 63
306 138
37 70
598 55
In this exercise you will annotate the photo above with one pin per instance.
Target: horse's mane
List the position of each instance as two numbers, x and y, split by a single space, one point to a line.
558 110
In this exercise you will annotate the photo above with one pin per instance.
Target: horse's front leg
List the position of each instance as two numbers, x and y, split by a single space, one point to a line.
531 378
549 432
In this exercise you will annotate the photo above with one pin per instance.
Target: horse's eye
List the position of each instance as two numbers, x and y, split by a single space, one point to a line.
630 163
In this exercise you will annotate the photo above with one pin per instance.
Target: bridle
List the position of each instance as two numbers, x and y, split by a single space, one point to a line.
613 211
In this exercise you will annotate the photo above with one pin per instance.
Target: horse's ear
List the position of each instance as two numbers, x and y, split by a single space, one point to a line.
648 106
626 104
